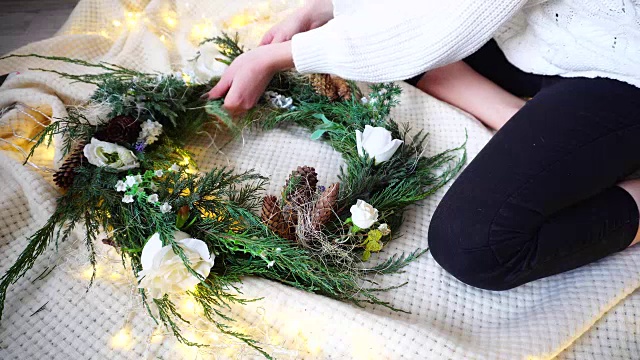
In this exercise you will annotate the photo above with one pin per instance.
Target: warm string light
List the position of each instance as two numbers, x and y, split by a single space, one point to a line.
122 339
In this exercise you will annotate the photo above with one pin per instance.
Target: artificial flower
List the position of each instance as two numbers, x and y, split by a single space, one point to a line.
384 229
377 142
165 208
206 66
105 154
279 101
121 186
153 198
363 215
164 272
127 199
149 132
131 180
158 173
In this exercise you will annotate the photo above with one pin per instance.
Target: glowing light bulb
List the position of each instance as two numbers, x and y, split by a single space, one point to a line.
189 306
117 23
122 339
163 38
171 22
241 20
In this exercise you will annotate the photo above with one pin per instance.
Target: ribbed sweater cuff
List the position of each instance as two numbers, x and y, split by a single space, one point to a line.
310 51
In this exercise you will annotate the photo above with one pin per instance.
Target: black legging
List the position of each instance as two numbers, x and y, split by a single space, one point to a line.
541 197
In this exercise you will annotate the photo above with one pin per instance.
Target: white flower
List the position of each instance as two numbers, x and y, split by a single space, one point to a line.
153 187
377 142
127 199
382 92
279 101
165 208
174 167
131 180
364 100
158 173
363 215
384 229
163 271
206 67
271 263
121 186
153 198
149 132
104 154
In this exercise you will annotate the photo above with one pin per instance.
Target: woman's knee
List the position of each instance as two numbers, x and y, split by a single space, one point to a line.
459 243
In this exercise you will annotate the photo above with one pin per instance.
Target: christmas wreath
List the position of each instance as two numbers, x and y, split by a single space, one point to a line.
128 175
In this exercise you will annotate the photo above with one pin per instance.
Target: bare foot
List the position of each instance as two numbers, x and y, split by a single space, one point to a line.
461 86
633 188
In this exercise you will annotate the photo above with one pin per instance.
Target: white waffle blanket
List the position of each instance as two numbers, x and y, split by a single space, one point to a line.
586 313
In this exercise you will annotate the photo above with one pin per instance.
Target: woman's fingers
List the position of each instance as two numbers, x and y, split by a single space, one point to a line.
222 87
267 38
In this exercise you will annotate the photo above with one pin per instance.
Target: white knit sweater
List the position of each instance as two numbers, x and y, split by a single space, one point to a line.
388 40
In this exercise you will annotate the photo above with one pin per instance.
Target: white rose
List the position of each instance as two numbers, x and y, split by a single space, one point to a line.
377 142
206 66
104 154
164 272
363 215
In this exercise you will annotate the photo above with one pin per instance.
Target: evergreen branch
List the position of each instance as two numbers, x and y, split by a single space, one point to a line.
395 263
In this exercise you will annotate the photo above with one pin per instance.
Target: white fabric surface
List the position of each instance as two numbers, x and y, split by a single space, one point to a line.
448 319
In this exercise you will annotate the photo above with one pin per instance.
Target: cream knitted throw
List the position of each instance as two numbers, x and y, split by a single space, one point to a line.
447 320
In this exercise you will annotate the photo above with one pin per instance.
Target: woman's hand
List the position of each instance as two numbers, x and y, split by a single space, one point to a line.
313 14
248 76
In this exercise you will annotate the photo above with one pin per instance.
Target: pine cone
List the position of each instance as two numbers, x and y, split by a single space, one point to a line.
120 129
272 216
67 172
331 86
301 192
324 86
324 208
342 87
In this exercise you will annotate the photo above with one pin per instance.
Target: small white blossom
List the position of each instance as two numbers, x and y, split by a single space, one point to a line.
364 100
158 173
382 92
271 263
149 132
384 229
153 198
165 208
174 167
121 186
153 187
127 199
131 180
278 250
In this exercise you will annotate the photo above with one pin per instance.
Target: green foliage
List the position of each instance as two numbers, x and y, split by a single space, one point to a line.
220 206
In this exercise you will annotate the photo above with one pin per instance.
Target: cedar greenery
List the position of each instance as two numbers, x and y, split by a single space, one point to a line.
220 207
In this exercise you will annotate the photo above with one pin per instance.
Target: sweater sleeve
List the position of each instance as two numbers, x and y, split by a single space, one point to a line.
395 40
